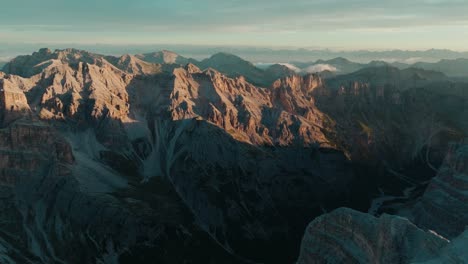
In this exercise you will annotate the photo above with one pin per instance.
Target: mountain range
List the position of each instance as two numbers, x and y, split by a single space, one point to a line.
157 158
253 54
451 68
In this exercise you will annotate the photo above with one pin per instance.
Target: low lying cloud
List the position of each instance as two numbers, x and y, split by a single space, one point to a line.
320 68
265 65
5 58
290 66
410 60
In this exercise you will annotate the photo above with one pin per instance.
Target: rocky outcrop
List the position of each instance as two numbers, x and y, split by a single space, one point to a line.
132 64
444 205
30 65
13 102
348 236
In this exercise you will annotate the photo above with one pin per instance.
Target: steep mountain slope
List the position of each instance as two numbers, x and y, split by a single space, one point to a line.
453 68
234 66
278 71
388 76
396 132
220 152
132 64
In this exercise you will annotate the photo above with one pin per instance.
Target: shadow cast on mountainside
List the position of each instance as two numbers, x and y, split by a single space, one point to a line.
237 192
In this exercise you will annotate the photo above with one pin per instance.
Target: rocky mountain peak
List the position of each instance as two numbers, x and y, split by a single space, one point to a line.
44 51
306 83
192 68
164 57
134 65
226 58
29 65
280 70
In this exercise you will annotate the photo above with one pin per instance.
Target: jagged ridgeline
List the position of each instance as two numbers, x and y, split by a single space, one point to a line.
157 158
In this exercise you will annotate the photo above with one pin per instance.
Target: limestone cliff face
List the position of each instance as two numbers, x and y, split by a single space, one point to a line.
278 115
249 113
26 146
293 95
12 101
85 87
348 236
72 83
31 154
389 114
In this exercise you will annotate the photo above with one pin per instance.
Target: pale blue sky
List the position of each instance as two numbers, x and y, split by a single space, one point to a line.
339 24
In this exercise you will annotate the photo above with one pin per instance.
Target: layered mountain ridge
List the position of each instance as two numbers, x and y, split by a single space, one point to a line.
339 66
218 154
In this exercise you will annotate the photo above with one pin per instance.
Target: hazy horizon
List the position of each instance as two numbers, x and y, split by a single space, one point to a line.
338 24
254 54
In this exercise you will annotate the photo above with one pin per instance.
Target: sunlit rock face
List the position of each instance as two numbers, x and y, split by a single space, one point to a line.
86 87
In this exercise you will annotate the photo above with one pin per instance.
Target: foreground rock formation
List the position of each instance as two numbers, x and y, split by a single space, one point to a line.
348 236
345 235
444 205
